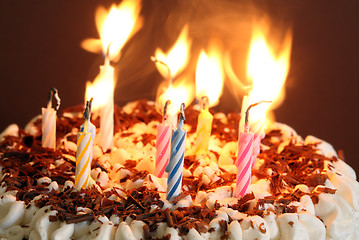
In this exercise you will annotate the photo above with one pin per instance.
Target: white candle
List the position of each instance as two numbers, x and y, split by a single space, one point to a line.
106 111
48 126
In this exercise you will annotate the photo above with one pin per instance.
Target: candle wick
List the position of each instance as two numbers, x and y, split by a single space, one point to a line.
182 116
87 113
204 103
246 127
246 124
90 106
165 115
49 103
169 75
54 93
107 55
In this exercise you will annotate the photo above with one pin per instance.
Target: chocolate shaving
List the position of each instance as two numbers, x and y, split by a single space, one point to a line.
169 218
316 179
262 228
326 190
24 160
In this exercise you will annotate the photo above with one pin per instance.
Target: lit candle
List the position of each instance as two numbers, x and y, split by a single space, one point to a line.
84 153
175 165
245 156
204 127
163 141
172 115
106 111
257 127
115 27
170 65
243 163
209 85
48 125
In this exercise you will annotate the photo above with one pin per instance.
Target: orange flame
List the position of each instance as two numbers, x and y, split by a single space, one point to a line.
209 76
268 72
177 94
115 27
176 59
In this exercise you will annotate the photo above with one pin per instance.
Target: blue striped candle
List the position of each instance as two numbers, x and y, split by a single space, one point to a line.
175 165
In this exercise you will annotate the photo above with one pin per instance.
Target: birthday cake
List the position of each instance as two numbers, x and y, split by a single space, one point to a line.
300 188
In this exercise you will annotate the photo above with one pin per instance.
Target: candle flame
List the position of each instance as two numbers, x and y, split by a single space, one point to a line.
268 71
209 76
118 26
101 89
177 57
177 93
115 27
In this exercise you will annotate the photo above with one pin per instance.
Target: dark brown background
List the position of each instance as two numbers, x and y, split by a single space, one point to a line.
40 48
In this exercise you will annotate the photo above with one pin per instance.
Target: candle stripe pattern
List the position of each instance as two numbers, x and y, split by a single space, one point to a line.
83 159
244 164
48 128
163 141
175 165
92 129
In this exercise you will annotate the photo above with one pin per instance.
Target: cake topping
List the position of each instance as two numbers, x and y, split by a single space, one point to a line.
42 177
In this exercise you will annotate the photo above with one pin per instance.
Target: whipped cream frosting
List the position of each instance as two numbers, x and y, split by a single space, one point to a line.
329 210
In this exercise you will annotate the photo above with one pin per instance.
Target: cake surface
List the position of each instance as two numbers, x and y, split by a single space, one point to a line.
300 189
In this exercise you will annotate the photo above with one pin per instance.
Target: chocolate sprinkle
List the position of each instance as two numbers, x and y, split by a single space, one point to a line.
24 161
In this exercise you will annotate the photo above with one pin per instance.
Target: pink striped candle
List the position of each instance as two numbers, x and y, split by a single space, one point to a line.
244 164
245 155
163 142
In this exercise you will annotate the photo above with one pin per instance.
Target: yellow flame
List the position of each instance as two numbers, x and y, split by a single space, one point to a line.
268 72
177 57
177 94
119 25
101 90
209 76
115 27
